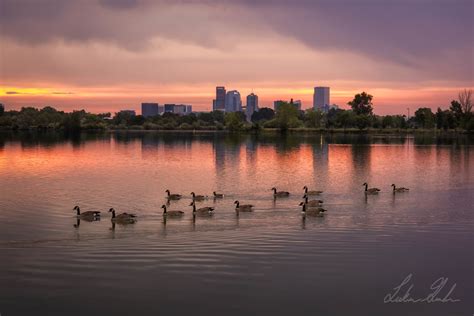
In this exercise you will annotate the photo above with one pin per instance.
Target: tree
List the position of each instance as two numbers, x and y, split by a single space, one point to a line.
362 121
456 108
362 104
2 109
263 114
286 116
234 121
313 118
465 101
424 118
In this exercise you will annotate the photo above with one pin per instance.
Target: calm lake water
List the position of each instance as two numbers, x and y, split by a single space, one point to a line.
269 262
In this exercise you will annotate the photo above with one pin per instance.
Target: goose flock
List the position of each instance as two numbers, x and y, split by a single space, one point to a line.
309 207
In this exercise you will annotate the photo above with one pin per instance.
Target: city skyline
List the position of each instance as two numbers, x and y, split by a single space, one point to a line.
178 53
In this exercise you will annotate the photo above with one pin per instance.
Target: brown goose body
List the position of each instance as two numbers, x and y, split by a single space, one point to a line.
243 207
173 196
202 211
86 215
399 189
318 212
198 197
218 195
171 213
308 192
370 190
280 193
123 218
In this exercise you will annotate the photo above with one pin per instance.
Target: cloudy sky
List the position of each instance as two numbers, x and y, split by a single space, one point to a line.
106 55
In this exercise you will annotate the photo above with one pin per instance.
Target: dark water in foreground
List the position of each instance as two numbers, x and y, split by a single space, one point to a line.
269 262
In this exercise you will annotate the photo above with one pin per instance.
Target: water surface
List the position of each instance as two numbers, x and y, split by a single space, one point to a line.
269 262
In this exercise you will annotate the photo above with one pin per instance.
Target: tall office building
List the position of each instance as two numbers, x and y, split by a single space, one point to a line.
233 102
321 98
150 109
251 106
180 109
219 102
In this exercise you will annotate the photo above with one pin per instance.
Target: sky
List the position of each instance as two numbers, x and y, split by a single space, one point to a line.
108 55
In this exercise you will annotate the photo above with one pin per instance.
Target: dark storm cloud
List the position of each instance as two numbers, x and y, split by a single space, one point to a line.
419 34
119 4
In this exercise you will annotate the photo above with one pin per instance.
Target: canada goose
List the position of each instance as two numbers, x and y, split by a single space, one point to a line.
203 211
173 196
371 190
123 218
311 202
171 213
243 207
305 188
197 197
86 215
312 212
218 195
280 193
395 189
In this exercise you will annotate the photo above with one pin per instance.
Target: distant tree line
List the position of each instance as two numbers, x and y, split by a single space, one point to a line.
458 116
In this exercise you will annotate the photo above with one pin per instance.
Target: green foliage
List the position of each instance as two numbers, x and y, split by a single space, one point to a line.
362 121
313 118
459 115
234 121
286 116
263 114
362 104
424 118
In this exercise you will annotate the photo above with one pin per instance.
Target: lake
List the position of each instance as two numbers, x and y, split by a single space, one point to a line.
272 261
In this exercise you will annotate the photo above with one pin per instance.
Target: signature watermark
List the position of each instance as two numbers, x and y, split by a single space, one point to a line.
440 292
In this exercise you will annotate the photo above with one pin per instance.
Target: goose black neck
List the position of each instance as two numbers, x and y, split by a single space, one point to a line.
237 204
113 214
366 185
78 211
304 208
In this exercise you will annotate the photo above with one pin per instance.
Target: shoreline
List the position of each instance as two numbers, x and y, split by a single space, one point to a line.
385 131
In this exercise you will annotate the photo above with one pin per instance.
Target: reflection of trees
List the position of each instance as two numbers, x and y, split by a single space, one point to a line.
361 161
50 139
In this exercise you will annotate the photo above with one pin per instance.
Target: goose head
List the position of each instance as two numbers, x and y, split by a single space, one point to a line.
236 203
193 194
167 191
365 183
274 189
305 188
76 208
393 185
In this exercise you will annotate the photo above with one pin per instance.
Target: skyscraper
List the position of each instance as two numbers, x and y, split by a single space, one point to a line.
321 98
252 105
149 109
233 102
219 102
